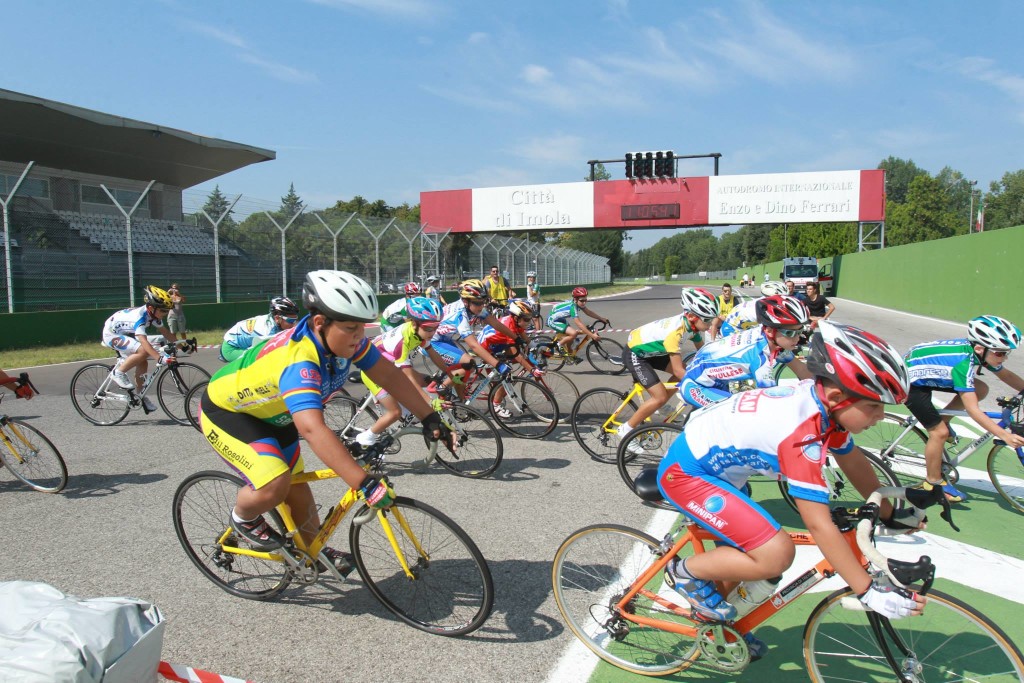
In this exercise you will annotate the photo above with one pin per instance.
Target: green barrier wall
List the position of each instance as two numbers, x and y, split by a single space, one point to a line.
956 278
51 328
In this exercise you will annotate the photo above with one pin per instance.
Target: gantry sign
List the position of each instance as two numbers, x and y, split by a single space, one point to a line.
813 197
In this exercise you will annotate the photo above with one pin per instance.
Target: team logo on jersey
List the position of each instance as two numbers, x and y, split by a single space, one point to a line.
779 392
250 324
726 372
705 511
747 401
310 374
811 449
699 397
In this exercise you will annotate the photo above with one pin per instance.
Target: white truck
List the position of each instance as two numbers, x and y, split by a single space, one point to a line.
804 269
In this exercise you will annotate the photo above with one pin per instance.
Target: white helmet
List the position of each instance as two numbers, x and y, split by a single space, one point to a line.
520 308
774 289
993 332
531 274
700 302
339 296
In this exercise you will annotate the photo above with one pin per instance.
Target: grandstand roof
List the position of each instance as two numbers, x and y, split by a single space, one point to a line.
63 136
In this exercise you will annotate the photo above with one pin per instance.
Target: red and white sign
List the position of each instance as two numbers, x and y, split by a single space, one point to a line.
814 197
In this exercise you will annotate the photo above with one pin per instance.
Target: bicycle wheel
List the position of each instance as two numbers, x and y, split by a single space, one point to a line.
201 510
31 457
192 401
1006 469
533 411
654 441
562 388
97 397
553 354
903 454
173 386
451 591
950 641
478 449
588 417
783 374
606 356
592 570
841 492
341 412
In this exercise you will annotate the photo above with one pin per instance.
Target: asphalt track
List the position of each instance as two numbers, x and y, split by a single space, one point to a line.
110 534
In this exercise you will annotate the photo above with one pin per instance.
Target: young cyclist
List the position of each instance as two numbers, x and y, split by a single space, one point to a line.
457 325
520 313
658 346
786 430
533 296
569 311
432 291
744 316
397 345
250 332
125 333
397 312
255 409
951 366
748 355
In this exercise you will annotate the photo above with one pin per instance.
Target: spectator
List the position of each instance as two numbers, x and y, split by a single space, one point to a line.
766 278
176 322
498 290
791 291
746 280
820 307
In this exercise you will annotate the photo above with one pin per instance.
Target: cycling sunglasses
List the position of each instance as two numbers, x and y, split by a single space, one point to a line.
789 334
288 320
429 325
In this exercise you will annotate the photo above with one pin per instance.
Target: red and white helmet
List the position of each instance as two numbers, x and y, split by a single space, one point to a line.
579 292
860 363
700 302
778 311
411 289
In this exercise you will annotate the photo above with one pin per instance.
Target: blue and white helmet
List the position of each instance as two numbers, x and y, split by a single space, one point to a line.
993 332
423 309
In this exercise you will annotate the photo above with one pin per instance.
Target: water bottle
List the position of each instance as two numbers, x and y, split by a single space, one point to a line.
749 594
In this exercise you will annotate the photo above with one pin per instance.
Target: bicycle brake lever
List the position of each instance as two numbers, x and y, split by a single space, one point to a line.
23 378
947 512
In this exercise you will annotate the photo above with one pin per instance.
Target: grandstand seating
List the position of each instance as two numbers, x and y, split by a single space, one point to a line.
148 235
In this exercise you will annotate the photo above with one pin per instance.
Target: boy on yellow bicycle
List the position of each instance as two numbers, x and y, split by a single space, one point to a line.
256 407
397 345
786 431
569 311
658 346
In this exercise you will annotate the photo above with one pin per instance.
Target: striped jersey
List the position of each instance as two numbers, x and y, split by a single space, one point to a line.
740 356
662 337
948 364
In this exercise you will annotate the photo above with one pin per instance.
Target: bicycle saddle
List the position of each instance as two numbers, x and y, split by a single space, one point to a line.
647 485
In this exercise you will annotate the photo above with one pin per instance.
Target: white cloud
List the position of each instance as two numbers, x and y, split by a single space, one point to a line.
281 72
555 149
985 71
410 9
227 37
477 38
534 73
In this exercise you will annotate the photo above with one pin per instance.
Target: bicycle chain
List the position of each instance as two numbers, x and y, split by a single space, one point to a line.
718 652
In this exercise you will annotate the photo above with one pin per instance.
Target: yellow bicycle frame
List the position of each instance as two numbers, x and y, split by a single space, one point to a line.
611 424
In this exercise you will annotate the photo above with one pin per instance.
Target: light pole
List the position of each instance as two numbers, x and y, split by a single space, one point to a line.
970 210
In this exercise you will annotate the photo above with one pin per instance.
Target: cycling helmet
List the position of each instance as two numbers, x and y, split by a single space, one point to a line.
433 278
774 289
860 363
777 311
579 293
472 289
992 332
159 298
424 309
283 306
520 308
700 302
339 296
531 274
411 289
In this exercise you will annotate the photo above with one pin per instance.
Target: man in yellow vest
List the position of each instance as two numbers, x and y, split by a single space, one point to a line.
726 301
499 291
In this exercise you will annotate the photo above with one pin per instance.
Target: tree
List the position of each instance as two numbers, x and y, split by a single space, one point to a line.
600 172
290 203
924 216
671 266
1004 205
899 173
216 204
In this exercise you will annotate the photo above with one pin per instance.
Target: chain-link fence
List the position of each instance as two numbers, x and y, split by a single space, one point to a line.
73 244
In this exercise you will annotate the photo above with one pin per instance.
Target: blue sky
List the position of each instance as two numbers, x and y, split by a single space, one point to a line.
386 98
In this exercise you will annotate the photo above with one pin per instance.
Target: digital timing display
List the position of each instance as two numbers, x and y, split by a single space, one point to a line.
649 212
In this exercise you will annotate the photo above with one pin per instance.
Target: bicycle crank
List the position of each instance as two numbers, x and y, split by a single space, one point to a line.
723 647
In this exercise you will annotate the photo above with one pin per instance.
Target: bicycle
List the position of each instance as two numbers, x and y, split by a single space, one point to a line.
563 389
478 445
532 408
102 401
900 442
608 587
604 355
419 563
655 440
28 454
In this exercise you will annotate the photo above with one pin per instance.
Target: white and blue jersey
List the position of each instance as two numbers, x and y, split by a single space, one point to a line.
457 323
743 316
247 333
741 356
771 432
